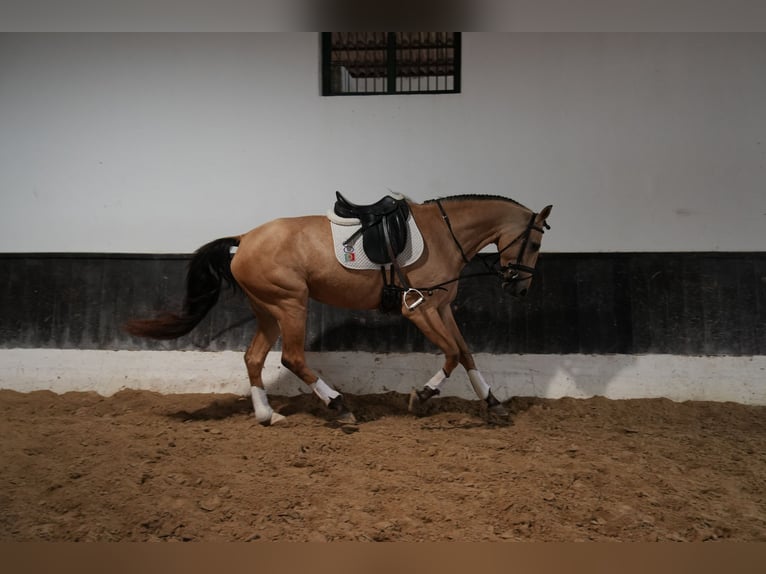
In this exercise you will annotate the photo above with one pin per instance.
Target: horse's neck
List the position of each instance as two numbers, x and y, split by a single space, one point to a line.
480 222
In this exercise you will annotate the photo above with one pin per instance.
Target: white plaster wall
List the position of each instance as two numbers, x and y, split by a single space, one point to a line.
737 379
161 142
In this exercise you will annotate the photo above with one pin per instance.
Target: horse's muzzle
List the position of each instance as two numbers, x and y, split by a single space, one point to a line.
515 285
515 289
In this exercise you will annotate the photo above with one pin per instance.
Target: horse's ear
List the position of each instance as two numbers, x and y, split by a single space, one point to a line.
545 213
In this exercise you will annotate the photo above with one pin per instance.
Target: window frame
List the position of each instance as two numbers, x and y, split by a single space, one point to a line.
391 67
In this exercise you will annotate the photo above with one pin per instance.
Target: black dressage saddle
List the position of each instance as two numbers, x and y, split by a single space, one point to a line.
384 226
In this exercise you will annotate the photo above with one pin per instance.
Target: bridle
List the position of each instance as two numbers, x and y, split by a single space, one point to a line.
511 271
508 273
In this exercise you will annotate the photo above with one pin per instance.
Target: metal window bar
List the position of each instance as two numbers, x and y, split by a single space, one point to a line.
363 63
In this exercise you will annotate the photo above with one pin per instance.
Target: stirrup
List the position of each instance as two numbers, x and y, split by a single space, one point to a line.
412 306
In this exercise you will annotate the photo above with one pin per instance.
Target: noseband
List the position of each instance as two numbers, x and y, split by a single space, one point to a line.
509 272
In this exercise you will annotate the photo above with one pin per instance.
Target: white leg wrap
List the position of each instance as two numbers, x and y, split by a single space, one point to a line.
478 383
437 380
323 391
264 414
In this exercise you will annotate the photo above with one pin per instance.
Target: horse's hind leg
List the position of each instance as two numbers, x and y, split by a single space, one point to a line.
255 358
292 320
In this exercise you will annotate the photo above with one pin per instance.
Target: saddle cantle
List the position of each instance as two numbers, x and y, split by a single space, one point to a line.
384 223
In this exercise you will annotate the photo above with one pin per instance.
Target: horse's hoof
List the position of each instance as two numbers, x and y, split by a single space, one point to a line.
346 418
495 407
499 410
418 398
414 403
343 415
275 419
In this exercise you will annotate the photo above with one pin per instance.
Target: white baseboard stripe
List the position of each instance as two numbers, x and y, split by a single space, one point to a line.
679 378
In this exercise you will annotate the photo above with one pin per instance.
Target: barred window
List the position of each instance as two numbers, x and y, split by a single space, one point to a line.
365 63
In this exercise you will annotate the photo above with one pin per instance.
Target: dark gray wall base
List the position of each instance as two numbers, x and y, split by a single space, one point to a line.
633 303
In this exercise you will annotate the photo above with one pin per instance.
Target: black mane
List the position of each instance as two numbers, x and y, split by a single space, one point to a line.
471 196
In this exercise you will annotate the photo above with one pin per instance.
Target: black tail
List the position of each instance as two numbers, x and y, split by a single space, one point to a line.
208 269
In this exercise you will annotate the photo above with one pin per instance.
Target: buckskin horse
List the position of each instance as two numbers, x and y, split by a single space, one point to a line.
282 263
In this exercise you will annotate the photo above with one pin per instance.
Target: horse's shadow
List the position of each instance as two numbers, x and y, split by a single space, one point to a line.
219 409
366 408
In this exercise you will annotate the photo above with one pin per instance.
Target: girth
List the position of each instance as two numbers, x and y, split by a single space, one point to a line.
383 229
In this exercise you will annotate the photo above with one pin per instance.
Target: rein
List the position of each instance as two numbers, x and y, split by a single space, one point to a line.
506 273
491 271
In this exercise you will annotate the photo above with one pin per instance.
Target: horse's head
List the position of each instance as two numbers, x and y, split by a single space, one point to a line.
519 252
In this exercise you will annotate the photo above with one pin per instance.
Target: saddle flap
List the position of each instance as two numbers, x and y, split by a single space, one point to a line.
374 237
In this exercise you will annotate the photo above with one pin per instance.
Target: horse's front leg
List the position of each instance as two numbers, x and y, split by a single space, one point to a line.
431 324
440 327
480 386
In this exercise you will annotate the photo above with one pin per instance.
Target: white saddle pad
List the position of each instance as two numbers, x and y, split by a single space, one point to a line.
353 256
